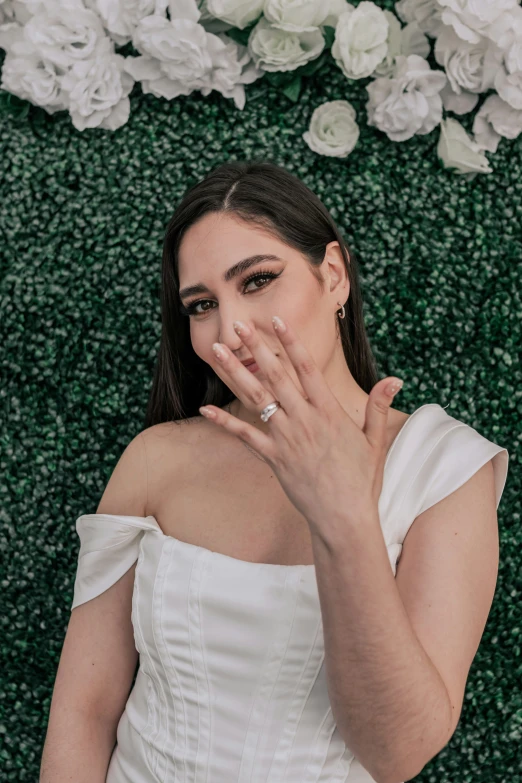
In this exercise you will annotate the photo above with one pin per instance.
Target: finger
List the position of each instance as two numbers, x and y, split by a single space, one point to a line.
311 378
260 442
377 410
241 381
272 368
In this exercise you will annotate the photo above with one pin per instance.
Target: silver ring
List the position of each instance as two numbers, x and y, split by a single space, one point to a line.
270 409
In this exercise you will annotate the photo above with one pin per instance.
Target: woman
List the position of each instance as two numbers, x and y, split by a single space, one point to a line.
249 561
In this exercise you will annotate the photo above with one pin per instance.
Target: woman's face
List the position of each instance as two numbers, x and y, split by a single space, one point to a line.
218 242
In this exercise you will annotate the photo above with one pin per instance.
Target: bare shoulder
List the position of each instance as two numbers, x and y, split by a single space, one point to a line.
179 433
151 461
174 451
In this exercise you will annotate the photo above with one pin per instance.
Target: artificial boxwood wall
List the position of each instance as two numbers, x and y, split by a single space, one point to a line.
82 217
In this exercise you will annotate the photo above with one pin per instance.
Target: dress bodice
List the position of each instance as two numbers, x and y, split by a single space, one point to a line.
231 682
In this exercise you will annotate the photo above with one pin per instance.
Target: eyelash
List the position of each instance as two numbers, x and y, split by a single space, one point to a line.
191 309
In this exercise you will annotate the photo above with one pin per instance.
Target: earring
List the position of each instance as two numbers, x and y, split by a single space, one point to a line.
342 308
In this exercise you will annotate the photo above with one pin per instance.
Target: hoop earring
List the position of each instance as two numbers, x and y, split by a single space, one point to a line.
342 309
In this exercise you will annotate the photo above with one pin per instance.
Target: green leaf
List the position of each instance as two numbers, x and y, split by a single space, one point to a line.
293 89
329 36
242 36
286 78
237 35
312 66
13 105
280 78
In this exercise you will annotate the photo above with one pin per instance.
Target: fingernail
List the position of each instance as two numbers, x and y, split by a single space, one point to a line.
279 325
393 387
218 350
241 328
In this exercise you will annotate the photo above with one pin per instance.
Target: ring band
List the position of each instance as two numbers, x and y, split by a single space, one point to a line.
270 409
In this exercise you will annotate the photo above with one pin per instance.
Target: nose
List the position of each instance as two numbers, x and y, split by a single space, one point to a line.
228 335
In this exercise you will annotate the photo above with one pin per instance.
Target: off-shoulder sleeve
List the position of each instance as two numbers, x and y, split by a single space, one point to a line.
456 452
109 545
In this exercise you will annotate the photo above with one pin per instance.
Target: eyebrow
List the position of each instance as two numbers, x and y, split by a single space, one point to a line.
230 274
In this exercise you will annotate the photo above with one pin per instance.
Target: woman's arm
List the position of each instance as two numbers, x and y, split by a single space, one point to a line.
78 748
99 658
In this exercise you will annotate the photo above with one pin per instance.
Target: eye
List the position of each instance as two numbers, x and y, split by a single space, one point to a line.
264 274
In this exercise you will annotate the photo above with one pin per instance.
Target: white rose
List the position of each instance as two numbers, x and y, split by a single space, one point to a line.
333 130
238 13
426 13
460 103
7 13
33 78
229 74
414 41
209 21
405 41
360 40
408 103
513 44
457 150
65 33
273 49
495 119
505 30
22 10
180 56
509 87
393 46
468 66
335 9
9 33
471 19
121 17
98 91
298 16
176 56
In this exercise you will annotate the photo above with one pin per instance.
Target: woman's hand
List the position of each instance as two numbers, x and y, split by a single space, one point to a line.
327 466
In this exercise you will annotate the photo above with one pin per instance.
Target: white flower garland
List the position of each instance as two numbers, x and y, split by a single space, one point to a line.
60 55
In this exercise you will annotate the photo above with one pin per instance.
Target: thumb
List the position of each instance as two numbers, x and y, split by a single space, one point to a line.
392 386
377 407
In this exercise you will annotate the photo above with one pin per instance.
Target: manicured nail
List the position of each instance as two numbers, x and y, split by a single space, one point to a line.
207 412
393 387
241 328
218 350
279 325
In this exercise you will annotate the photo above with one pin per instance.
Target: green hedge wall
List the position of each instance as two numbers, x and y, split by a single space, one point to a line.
82 218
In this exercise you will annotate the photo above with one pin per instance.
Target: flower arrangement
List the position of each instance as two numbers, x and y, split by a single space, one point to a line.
61 55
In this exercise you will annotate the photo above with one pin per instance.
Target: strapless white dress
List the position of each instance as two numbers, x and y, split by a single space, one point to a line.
231 683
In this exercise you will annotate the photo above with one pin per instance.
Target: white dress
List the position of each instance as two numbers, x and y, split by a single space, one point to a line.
231 683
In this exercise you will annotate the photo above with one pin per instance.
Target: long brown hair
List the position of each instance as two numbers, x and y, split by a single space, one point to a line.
266 195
